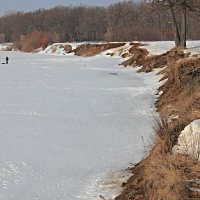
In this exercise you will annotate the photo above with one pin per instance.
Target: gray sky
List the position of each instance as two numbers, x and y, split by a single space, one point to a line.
27 5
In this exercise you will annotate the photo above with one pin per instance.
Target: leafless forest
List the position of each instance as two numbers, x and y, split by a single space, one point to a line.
124 21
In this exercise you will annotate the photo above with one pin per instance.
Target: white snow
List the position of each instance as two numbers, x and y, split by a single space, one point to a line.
119 50
193 47
189 140
67 121
160 47
107 186
5 46
57 49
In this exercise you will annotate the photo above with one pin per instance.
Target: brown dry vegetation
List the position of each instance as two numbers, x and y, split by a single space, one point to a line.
181 92
94 49
33 41
141 58
163 175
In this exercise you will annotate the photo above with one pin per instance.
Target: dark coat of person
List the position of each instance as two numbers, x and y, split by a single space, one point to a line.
7 60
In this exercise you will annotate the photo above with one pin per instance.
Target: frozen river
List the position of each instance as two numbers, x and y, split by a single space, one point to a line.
65 121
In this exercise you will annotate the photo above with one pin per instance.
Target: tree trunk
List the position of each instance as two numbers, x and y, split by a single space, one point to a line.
174 25
183 28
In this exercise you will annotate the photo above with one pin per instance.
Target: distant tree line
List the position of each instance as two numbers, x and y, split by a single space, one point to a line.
124 21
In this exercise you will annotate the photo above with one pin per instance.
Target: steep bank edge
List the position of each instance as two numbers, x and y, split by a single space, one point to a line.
162 175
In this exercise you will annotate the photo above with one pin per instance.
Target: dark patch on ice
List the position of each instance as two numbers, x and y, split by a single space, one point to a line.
113 73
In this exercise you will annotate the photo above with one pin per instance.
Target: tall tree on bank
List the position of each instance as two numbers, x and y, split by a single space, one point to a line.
178 10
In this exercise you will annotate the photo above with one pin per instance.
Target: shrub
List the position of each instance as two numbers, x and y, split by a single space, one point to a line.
34 41
44 41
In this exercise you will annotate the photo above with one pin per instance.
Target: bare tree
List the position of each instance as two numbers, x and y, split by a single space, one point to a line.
178 10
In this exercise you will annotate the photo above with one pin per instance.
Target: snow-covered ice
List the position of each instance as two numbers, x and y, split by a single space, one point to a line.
66 121
160 47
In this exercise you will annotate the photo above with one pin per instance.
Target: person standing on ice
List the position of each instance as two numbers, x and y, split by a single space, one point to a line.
7 60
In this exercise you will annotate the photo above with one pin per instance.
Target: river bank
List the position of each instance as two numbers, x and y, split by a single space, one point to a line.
164 172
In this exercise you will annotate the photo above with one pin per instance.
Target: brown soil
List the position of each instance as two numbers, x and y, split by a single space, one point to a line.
140 58
68 48
94 49
126 55
162 175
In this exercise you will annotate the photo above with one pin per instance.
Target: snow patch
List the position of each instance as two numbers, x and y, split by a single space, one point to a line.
189 140
106 187
56 49
193 47
6 46
118 51
159 47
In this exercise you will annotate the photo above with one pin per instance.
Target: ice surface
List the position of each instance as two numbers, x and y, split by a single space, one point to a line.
67 121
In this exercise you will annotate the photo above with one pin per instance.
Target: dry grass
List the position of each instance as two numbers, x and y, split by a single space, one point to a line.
163 180
166 132
141 58
181 93
163 135
94 49
164 173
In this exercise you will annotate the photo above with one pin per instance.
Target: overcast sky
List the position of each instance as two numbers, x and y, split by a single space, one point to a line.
27 5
